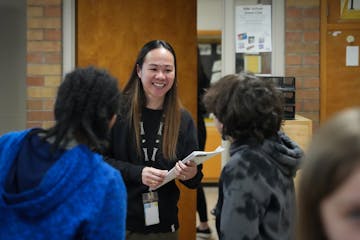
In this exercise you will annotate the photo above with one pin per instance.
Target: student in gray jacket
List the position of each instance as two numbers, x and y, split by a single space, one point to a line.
256 188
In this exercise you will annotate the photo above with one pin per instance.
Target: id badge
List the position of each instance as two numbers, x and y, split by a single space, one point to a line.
151 208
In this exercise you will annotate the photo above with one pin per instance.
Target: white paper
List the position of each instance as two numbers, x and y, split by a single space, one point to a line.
352 56
253 28
197 156
216 67
215 77
151 211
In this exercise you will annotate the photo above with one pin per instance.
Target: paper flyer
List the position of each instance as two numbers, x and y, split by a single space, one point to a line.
197 156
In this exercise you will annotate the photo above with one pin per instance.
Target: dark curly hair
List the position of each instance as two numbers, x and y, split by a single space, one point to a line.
248 107
86 101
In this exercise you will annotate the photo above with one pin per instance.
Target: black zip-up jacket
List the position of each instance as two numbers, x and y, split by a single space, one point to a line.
123 156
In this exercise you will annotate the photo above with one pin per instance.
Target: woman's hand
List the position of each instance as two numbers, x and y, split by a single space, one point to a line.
153 177
185 171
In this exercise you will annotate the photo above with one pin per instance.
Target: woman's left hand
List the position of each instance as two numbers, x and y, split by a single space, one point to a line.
185 171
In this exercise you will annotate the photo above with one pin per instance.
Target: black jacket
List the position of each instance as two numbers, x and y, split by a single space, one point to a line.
123 156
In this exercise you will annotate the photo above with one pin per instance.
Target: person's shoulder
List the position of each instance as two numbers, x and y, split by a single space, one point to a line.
244 158
185 115
14 134
14 137
248 170
108 169
254 162
237 172
121 124
113 177
104 172
184 111
187 122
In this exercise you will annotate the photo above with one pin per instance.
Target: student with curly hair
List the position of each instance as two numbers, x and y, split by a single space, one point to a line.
153 133
54 184
329 199
256 189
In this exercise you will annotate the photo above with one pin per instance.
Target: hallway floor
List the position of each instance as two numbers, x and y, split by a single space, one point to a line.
211 193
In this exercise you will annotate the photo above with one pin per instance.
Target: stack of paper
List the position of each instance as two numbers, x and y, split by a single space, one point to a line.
196 156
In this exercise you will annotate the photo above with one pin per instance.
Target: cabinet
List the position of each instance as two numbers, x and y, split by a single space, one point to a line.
212 167
299 130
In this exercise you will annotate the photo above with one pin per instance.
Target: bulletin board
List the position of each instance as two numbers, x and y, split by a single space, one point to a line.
253 28
253 38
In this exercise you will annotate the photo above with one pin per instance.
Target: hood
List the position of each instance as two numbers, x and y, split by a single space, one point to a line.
280 150
55 185
284 152
33 160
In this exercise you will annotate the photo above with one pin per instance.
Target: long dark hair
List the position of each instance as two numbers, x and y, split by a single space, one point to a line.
135 100
86 101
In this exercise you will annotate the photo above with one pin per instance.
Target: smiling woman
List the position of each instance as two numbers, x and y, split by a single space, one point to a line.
157 76
152 133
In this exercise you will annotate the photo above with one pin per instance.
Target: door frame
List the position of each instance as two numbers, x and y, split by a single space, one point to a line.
68 37
70 60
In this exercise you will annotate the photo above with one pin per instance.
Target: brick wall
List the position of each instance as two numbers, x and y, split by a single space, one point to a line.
302 54
44 60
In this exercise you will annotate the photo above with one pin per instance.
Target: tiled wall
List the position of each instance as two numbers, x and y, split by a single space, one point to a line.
44 64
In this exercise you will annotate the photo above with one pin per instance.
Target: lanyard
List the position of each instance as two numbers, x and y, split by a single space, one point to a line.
145 142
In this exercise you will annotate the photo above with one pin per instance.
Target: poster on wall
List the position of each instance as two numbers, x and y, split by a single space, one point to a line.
253 28
350 9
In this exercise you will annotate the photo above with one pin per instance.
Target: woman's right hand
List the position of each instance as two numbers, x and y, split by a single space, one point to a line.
153 177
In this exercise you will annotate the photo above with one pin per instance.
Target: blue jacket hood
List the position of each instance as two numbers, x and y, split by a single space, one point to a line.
54 187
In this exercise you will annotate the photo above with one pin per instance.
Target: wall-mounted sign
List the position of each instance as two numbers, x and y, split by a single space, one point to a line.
253 28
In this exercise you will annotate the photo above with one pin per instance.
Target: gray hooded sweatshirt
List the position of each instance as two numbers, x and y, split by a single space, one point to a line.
256 190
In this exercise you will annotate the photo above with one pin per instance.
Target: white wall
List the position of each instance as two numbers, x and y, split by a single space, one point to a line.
209 14
12 65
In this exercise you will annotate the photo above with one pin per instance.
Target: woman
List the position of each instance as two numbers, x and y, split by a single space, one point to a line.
256 188
53 184
152 134
329 196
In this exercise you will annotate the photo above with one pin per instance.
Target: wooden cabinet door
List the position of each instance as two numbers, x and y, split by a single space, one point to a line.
212 167
109 34
340 84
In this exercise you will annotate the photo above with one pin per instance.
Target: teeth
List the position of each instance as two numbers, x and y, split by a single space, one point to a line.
159 84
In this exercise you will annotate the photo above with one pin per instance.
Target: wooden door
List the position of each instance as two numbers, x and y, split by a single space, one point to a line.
340 84
109 34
